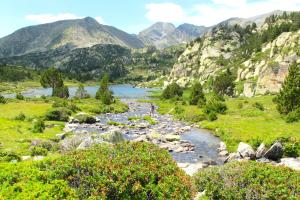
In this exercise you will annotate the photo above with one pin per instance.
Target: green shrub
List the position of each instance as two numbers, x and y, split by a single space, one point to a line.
215 107
27 181
240 105
293 116
197 96
122 171
212 116
172 91
291 150
249 180
58 114
38 151
87 119
20 117
9 156
60 103
259 106
38 126
150 120
19 96
104 94
2 100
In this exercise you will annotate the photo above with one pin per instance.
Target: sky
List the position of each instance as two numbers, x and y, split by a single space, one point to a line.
133 16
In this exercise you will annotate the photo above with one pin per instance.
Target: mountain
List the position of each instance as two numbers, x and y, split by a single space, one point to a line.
259 56
243 22
73 34
163 35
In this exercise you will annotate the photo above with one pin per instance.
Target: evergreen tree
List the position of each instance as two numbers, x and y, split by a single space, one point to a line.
104 94
288 98
224 84
81 93
53 78
197 96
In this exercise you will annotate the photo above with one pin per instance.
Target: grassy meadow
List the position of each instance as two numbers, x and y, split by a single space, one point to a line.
241 122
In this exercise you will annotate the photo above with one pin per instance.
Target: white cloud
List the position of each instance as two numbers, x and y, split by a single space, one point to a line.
209 14
47 18
164 12
100 20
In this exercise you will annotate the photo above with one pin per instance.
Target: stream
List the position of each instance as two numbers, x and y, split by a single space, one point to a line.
187 144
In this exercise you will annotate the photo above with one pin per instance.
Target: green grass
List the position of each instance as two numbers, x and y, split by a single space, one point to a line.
247 124
16 136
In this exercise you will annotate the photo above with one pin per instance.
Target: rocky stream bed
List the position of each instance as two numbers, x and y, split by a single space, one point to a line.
191 147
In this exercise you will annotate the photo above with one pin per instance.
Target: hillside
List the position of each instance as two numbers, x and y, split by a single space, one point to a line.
258 55
92 62
73 34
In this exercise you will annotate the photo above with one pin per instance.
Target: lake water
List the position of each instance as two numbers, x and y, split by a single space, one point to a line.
123 91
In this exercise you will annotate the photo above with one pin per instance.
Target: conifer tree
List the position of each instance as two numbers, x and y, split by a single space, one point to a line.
288 98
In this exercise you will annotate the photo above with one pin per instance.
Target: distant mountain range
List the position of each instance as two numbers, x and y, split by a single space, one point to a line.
163 35
87 32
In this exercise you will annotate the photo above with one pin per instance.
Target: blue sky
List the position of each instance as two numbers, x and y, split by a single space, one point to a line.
133 15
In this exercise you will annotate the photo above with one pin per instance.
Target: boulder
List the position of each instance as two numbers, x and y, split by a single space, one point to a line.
261 150
245 150
23 158
142 138
222 146
293 163
86 143
233 157
193 168
223 153
171 138
274 152
36 158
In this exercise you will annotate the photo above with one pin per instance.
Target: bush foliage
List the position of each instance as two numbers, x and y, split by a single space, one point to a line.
249 180
122 171
58 114
172 91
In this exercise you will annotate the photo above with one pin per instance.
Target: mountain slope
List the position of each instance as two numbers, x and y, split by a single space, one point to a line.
163 35
71 33
259 56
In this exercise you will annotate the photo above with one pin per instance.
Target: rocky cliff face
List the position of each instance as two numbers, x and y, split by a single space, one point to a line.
203 58
266 71
73 34
261 72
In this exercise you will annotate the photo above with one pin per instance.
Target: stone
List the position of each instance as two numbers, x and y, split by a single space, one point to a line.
274 152
36 158
222 146
180 149
293 163
232 157
24 158
171 138
263 160
210 162
261 150
142 138
245 150
193 168
86 143
223 153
